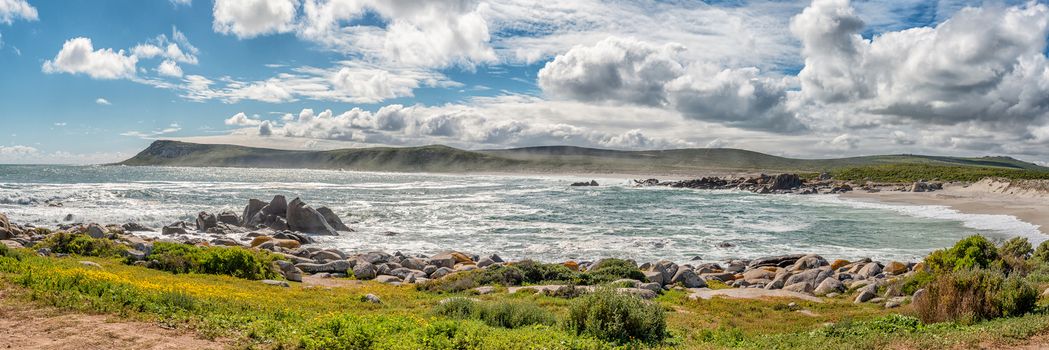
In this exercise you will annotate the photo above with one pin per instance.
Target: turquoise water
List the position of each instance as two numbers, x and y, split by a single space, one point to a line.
538 217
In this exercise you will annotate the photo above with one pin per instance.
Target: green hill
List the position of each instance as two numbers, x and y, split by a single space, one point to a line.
567 159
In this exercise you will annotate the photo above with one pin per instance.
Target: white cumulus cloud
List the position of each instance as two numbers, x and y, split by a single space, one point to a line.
10 10
251 18
78 56
102 101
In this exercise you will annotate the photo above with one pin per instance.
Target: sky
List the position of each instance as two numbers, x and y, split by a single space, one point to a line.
87 81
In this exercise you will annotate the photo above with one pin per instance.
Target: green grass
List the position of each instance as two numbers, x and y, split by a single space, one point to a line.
260 316
928 172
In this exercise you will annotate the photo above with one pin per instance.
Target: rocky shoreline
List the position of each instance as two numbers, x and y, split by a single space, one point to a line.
785 184
284 229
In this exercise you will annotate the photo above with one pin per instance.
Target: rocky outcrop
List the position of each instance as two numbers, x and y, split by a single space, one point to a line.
332 219
303 218
584 183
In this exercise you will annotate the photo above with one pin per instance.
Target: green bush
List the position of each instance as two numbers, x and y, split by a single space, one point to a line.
81 244
974 295
1041 254
972 252
501 314
232 261
612 316
915 282
882 326
516 314
608 270
1017 247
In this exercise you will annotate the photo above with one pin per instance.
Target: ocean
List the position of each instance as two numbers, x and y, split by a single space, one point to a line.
522 216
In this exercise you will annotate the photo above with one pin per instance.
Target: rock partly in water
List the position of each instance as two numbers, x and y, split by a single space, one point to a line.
301 217
333 220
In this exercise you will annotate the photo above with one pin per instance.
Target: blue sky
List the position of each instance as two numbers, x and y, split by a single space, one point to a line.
96 81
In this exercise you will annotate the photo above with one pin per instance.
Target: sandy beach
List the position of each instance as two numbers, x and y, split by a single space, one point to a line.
985 197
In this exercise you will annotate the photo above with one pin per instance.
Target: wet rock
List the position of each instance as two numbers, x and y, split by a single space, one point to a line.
135 227
173 230
228 218
252 209
303 218
333 219
278 206
206 221
584 183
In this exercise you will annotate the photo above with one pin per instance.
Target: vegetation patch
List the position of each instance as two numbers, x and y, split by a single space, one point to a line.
232 261
929 172
506 314
82 245
612 316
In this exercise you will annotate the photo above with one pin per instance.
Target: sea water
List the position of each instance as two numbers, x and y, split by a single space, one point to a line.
526 216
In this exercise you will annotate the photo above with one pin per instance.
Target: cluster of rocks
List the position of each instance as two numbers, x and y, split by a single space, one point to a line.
764 184
808 275
584 183
277 215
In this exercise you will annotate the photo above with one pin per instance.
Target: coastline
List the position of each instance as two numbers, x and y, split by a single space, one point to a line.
976 198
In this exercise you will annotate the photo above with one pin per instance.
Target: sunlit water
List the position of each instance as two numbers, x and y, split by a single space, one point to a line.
538 217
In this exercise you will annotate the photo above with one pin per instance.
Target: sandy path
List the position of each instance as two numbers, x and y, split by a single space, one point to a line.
976 199
24 326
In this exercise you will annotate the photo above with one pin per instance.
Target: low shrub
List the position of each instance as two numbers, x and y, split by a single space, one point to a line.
82 245
612 316
972 252
501 314
916 281
1041 254
886 325
1016 247
232 261
608 270
970 296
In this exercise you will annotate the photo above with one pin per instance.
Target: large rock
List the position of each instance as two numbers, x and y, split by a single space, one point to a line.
896 268
654 277
96 231
808 262
813 277
800 287
337 266
688 278
364 270
5 228
228 218
870 270
758 274
289 271
206 221
173 230
333 219
303 218
786 182
776 261
829 285
278 206
666 268
253 207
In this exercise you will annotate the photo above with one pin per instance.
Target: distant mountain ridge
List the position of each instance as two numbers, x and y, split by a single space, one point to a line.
437 158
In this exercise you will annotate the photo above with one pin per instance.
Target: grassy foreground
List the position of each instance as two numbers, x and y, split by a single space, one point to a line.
255 315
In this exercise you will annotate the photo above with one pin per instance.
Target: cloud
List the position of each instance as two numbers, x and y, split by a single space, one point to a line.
10 10
983 64
494 123
169 68
241 119
17 150
150 135
102 101
177 48
842 142
251 18
178 3
436 33
352 82
78 56
630 71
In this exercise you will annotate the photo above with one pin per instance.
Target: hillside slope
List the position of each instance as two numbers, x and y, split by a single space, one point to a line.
552 159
